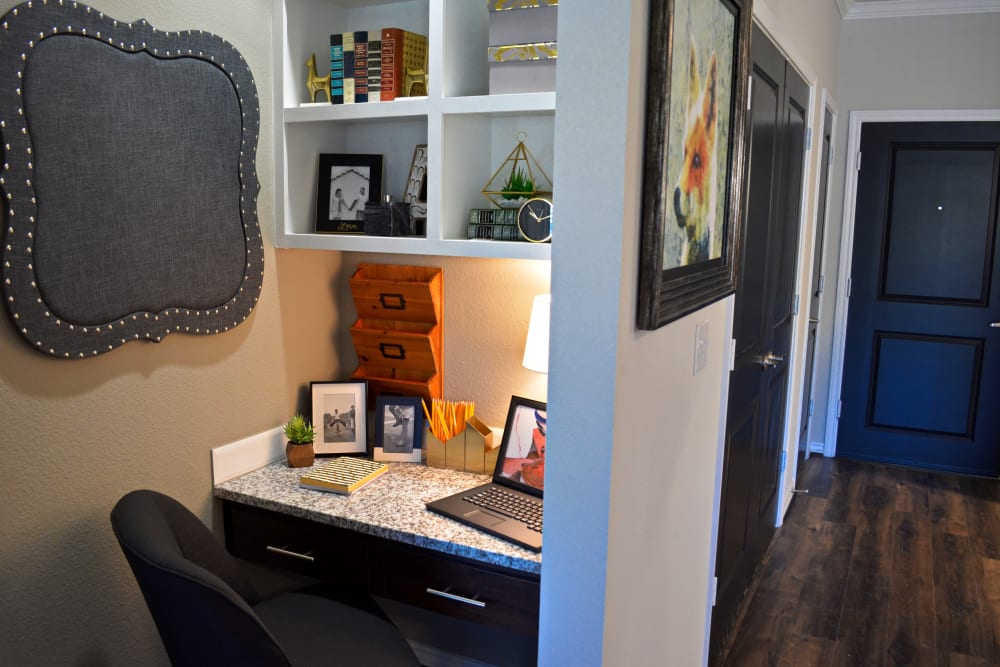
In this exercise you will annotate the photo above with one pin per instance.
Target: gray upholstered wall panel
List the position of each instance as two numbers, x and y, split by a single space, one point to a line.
129 178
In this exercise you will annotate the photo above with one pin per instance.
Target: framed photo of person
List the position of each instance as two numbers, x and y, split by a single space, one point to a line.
399 429
346 183
339 415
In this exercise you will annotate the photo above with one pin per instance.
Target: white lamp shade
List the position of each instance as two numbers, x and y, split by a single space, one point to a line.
536 348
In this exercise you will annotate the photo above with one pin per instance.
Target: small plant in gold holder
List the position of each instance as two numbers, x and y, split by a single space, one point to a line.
518 179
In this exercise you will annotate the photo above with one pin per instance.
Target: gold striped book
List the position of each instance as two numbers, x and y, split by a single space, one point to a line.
342 475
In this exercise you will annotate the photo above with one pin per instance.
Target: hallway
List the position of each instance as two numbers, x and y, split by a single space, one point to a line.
879 566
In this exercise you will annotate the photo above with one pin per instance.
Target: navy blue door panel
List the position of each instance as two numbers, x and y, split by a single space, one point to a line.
922 363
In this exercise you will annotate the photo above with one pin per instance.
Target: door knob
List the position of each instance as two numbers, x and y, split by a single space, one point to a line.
995 325
770 360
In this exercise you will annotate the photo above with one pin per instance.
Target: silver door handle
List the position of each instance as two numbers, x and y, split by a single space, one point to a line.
995 325
770 360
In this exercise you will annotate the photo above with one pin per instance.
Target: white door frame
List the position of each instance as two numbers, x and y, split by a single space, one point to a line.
857 119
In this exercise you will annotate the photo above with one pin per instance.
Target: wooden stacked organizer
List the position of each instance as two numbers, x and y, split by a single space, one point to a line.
399 335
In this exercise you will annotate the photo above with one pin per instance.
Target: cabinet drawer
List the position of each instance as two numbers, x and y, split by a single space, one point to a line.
298 545
411 346
456 587
391 292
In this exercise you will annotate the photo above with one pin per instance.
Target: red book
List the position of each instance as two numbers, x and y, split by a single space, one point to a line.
401 49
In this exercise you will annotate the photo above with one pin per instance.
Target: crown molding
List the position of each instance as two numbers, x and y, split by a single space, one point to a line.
899 8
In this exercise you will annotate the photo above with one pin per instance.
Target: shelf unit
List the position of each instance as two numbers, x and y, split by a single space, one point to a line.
468 132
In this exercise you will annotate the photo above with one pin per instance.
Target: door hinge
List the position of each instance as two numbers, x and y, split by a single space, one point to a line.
714 590
749 91
857 167
795 305
809 138
829 160
822 284
812 406
732 354
784 457
840 405
850 283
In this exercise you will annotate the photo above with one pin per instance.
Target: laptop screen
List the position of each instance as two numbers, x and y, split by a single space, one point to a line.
521 460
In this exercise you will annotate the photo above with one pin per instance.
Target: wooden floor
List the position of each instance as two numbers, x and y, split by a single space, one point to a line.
878 566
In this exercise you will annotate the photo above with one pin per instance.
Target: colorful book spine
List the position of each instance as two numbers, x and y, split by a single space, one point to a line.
360 66
392 74
401 50
336 69
348 67
375 70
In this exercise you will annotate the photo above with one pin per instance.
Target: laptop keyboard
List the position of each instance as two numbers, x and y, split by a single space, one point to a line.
525 509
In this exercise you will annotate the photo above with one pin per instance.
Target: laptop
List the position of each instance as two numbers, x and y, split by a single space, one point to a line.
510 506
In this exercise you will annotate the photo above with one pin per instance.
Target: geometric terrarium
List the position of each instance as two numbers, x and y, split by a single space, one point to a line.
518 179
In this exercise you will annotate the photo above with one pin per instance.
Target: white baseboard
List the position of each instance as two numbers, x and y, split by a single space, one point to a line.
248 454
817 447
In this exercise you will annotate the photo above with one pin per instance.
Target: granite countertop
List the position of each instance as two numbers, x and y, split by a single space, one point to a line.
390 506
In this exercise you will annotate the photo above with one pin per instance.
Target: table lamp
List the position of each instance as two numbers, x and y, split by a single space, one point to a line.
536 348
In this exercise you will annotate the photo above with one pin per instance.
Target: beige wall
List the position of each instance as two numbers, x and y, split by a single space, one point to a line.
79 434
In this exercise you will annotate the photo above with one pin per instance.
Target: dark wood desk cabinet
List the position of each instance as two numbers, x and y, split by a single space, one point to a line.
418 576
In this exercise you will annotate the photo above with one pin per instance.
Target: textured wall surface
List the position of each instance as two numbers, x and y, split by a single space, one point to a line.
78 435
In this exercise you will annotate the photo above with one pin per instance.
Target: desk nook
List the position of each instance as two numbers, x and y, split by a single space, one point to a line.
382 539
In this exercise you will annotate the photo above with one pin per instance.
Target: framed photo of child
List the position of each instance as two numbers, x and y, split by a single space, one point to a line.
339 415
399 429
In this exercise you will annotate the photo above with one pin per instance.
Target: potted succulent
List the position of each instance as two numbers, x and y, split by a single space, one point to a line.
299 435
517 189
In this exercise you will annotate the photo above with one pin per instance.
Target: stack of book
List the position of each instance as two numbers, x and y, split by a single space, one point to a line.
373 70
497 224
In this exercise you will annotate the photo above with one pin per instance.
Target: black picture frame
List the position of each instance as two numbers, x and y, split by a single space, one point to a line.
345 183
340 416
399 429
694 164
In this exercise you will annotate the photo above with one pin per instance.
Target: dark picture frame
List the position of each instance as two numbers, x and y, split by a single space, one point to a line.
345 183
399 429
694 165
340 416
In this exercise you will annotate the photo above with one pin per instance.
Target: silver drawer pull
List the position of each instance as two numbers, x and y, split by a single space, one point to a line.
286 552
456 598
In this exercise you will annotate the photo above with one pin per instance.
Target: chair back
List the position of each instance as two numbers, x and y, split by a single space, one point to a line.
196 592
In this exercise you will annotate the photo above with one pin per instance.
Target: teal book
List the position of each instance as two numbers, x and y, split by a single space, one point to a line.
336 69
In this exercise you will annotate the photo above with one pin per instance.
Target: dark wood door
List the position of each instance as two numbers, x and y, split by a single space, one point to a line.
762 327
921 379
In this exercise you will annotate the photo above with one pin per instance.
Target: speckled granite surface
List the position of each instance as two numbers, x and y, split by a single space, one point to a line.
391 506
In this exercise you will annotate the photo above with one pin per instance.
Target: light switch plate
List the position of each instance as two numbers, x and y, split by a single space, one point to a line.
700 346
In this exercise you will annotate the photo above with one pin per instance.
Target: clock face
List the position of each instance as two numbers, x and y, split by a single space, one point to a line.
534 220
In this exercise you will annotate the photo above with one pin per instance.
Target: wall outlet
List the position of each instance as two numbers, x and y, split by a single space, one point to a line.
700 346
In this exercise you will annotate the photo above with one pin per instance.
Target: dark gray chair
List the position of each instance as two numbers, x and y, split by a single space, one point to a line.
208 612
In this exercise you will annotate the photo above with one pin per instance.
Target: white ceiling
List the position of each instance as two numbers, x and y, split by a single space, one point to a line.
866 9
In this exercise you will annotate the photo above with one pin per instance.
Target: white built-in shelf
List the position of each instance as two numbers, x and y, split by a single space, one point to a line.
468 132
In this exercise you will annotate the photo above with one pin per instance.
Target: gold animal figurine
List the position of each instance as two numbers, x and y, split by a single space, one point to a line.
414 82
316 84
